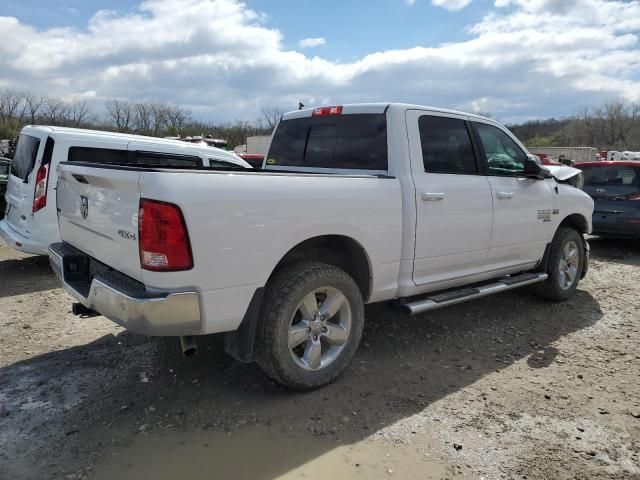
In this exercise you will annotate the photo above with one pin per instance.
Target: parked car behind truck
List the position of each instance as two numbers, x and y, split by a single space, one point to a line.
31 222
615 189
5 167
355 204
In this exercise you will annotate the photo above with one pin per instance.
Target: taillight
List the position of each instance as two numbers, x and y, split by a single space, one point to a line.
163 237
634 196
324 111
40 194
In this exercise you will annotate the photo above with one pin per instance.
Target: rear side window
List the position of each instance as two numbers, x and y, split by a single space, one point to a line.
123 157
215 163
167 160
97 155
356 141
446 145
503 156
612 175
25 156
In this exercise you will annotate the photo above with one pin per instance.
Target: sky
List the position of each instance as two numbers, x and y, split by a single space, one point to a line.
226 59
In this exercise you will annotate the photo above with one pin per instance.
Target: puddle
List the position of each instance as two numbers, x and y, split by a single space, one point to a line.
260 453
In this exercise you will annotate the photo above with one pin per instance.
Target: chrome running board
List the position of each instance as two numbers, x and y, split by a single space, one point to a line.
451 297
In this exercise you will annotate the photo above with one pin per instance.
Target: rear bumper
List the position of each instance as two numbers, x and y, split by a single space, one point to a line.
19 241
122 299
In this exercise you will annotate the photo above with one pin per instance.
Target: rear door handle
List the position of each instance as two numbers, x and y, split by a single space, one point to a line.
432 197
504 195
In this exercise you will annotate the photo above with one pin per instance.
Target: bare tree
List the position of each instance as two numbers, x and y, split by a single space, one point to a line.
79 113
272 115
142 118
611 119
11 105
55 111
177 118
159 115
120 114
33 103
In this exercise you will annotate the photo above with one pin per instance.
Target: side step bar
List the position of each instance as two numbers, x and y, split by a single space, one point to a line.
451 297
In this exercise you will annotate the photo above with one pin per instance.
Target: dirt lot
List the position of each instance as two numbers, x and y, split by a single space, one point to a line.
508 387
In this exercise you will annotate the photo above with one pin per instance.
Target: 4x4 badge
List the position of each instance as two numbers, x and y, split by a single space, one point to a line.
84 206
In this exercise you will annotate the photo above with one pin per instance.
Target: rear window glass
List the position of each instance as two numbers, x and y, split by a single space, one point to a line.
357 141
123 157
25 156
612 175
4 167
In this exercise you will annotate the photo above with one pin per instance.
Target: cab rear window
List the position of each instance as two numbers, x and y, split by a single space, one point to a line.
25 157
354 141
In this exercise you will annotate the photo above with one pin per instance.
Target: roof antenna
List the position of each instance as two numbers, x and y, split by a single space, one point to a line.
300 105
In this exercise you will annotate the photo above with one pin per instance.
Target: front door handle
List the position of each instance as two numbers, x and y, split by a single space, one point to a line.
504 195
432 197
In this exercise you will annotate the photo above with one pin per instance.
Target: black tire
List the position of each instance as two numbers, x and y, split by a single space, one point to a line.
283 295
552 288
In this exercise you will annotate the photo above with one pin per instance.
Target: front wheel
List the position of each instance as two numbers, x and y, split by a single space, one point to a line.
564 266
311 325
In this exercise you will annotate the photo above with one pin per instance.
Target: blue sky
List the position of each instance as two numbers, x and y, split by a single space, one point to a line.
226 59
380 25
404 26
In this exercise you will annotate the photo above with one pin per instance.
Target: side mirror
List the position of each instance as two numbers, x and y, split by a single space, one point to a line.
532 169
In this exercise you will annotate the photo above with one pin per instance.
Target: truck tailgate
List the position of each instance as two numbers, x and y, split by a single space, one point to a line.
98 214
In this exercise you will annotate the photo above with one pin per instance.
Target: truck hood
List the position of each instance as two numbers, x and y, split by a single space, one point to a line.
562 173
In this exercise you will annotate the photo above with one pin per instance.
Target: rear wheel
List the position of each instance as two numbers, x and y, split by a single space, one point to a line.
310 326
564 266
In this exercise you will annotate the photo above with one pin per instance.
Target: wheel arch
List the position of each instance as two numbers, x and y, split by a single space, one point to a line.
576 221
339 251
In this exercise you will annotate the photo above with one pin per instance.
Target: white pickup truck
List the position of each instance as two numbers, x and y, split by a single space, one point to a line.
356 204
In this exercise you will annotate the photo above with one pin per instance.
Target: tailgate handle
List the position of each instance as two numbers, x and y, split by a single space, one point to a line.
80 178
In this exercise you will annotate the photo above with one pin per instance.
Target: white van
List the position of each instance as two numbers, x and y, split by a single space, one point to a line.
31 224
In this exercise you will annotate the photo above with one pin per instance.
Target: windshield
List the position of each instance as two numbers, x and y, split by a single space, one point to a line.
25 156
625 176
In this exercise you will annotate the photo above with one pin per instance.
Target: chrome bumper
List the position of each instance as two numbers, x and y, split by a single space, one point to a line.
122 299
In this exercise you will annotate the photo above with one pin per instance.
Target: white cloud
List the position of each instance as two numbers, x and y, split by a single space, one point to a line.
311 42
451 5
221 60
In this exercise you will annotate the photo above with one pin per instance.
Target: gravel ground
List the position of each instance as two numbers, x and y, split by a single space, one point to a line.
508 387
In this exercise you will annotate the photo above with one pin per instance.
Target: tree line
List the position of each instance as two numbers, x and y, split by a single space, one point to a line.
611 126
158 119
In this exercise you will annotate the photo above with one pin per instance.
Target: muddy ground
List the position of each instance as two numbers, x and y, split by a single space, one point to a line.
508 387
